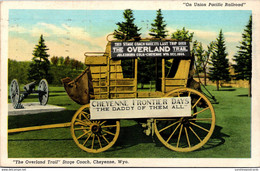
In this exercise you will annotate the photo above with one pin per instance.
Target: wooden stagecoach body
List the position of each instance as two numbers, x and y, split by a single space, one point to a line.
109 82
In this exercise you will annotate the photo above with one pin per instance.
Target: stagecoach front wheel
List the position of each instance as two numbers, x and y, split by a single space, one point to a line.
93 136
184 134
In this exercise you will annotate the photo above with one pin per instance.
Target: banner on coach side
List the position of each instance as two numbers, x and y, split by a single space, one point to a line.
140 108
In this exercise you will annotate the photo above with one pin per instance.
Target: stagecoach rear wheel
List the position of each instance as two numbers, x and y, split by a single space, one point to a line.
184 134
93 136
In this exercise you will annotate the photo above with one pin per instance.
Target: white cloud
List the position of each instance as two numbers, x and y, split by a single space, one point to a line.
70 41
36 32
74 35
232 36
61 40
204 35
76 32
52 29
71 48
17 29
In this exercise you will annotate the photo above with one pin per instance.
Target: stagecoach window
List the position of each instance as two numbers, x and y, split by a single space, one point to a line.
128 66
173 66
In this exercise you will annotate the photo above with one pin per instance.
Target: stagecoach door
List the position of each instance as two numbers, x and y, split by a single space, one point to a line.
149 73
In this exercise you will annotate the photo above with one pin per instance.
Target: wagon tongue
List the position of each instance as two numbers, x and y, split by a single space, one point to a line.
209 95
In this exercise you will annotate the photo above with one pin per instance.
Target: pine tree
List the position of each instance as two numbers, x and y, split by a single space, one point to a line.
182 35
130 30
39 68
220 67
67 61
54 60
202 57
243 57
61 60
127 27
153 65
158 27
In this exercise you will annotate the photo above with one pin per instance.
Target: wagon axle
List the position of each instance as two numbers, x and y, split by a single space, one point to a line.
95 128
185 121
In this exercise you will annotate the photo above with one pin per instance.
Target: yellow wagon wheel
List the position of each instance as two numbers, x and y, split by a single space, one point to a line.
186 134
93 136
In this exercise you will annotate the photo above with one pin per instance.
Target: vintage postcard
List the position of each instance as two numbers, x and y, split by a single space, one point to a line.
130 84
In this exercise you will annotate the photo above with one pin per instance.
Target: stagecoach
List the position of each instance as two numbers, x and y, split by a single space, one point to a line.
176 110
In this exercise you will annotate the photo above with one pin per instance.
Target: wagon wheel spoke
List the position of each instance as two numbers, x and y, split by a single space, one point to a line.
169 126
173 133
109 132
201 111
80 122
185 134
103 122
91 135
87 139
83 135
105 139
178 141
93 141
195 134
99 142
199 127
196 103
84 114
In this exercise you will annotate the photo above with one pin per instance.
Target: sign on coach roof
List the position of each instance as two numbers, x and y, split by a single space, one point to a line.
150 49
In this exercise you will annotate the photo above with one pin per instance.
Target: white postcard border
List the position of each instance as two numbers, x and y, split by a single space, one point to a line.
254 161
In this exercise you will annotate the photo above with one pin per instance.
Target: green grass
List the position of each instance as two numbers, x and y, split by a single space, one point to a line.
231 137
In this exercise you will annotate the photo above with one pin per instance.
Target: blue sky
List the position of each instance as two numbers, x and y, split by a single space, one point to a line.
73 32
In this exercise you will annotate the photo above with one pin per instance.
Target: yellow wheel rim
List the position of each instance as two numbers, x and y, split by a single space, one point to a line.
186 134
93 136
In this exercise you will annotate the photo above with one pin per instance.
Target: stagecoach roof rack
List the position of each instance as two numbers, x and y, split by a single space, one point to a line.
158 39
138 38
86 54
